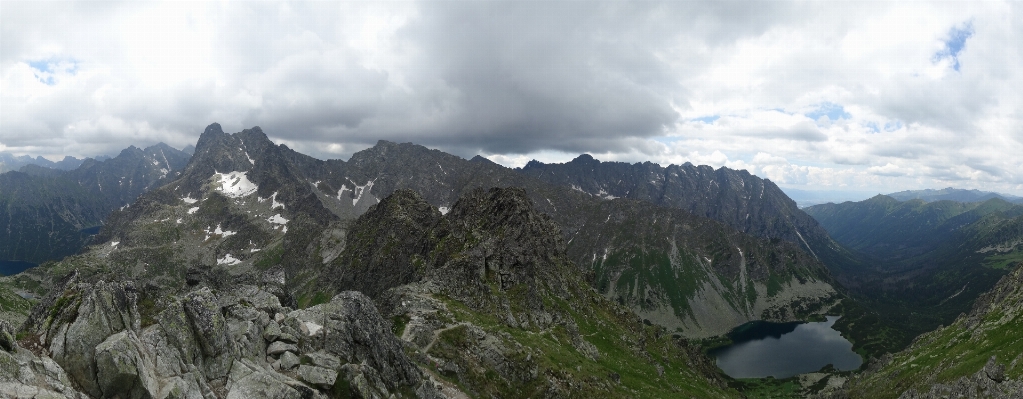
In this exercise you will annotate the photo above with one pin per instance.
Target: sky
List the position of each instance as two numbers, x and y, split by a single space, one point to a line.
819 95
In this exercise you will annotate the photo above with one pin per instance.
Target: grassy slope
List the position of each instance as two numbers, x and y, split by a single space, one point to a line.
958 350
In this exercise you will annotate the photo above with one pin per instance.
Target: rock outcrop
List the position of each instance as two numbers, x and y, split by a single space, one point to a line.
236 343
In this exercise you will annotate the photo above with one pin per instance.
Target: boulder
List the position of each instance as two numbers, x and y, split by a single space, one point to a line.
322 378
7 341
122 368
207 321
105 308
352 330
279 347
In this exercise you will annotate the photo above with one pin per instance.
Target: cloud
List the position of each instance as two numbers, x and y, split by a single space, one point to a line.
826 93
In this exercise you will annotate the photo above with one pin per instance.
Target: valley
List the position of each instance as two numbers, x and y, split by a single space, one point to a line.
413 272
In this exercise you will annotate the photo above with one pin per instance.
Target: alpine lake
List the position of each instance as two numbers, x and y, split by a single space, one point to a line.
782 350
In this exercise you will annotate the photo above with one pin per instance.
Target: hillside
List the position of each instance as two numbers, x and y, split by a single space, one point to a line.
929 260
978 355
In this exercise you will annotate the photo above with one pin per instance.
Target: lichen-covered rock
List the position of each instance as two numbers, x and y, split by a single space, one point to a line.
319 377
123 368
207 321
105 308
352 330
279 347
248 381
289 361
7 341
24 375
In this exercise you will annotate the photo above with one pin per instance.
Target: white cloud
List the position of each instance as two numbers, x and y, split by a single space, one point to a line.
721 83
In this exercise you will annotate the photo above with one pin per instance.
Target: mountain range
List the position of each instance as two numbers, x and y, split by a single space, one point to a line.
254 269
953 194
51 213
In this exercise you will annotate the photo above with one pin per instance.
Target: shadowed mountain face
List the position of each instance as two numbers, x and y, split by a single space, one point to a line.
48 212
743 201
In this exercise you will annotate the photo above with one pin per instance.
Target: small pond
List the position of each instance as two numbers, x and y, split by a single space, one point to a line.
782 350
11 267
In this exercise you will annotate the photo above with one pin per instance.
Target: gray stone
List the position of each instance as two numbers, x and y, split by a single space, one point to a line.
319 377
209 324
272 332
249 381
105 308
121 368
279 347
353 331
322 359
7 341
289 361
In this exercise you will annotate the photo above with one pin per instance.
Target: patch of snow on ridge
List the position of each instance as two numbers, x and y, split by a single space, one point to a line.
228 260
273 202
342 191
235 184
193 210
114 244
360 190
443 210
311 328
603 194
277 219
189 200
225 233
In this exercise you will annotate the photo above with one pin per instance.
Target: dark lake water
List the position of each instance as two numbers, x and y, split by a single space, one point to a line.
782 350
9 267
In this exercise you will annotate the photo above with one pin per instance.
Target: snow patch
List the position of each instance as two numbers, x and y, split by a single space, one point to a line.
225 233
235 184
114 244
189 200
443 210
360 190
342 191
179 220
277 219
193 210
311 328
228 260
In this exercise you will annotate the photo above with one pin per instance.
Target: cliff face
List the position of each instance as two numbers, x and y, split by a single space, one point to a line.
734 197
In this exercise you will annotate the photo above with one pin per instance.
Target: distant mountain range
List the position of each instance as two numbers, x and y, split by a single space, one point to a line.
51 213
953 194
9 162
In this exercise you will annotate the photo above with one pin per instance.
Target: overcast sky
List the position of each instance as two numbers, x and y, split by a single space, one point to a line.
866 96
